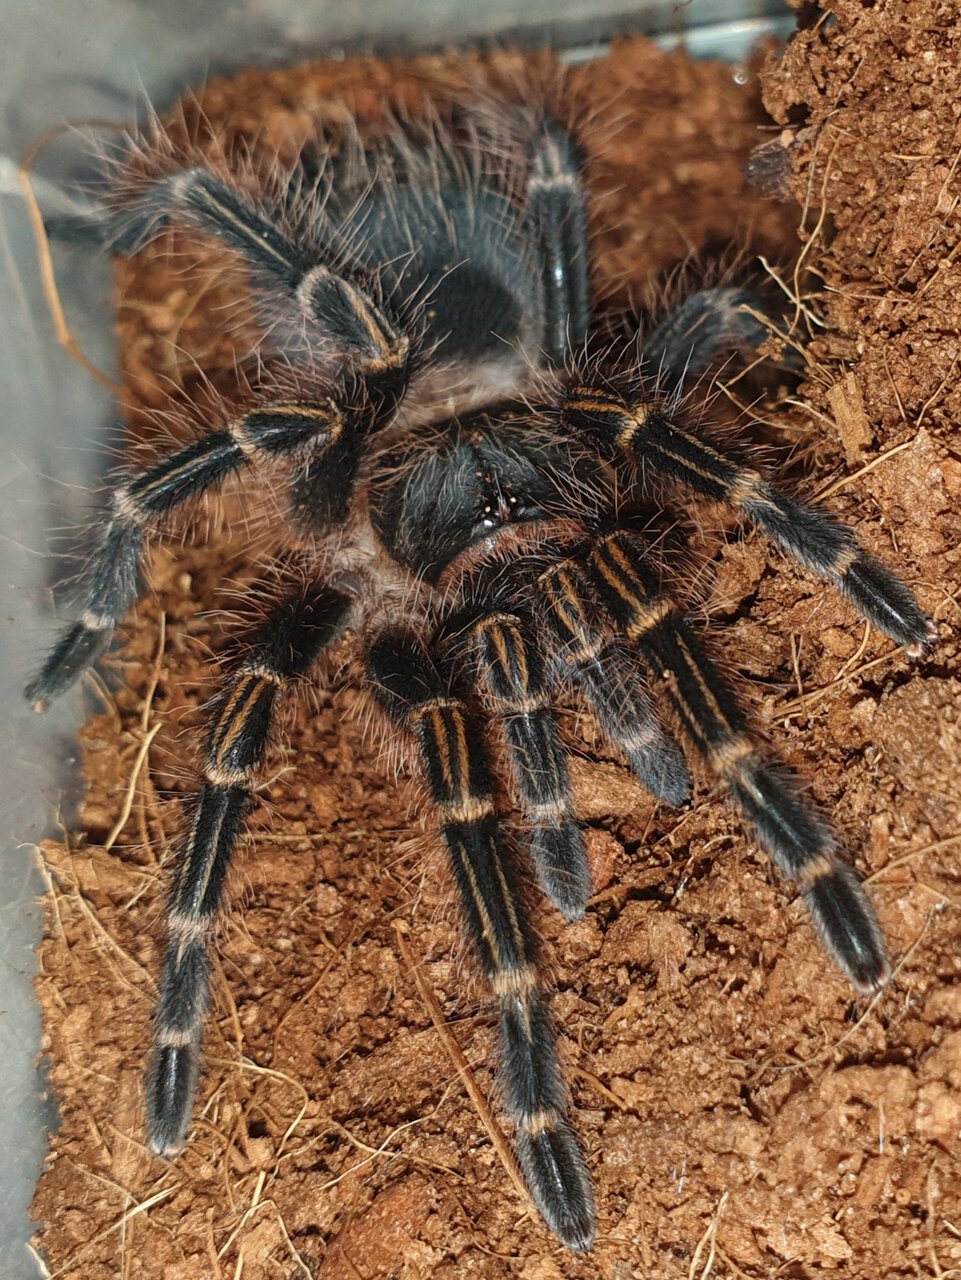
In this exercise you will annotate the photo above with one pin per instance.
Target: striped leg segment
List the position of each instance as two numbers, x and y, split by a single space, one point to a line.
513 680
638 423
769 797
606 675
200 199
110 579
454 763
329 436
282 650
296 290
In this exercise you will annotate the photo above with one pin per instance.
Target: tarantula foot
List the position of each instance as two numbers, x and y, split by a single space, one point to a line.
171 1084
557 1178
561 863
79 646
884 600
848 926
918 648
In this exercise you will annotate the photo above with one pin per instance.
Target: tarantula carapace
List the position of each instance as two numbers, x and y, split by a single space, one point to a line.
465 455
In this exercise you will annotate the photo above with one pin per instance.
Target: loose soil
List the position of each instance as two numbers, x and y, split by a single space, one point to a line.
742 1113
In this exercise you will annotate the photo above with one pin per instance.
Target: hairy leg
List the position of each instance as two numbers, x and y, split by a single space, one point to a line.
769 797
279 652
454 764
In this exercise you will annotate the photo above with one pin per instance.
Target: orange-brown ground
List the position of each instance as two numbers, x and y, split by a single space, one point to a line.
742 1114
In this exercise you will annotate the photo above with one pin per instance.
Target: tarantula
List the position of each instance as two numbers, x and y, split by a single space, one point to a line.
468 457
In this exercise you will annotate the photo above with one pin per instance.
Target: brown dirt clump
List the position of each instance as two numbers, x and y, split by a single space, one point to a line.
742 1114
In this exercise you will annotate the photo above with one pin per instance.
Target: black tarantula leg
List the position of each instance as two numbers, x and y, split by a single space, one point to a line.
556 204
636 421
512 677
110 580
325 302
414 695
706 325
797 841
237 738
606 675
199 198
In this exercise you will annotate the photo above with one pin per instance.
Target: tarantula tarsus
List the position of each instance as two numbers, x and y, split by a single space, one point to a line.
464 459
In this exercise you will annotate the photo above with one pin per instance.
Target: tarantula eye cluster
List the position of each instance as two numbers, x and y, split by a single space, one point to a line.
457 466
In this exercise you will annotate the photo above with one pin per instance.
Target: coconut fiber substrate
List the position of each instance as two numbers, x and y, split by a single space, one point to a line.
743 1112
